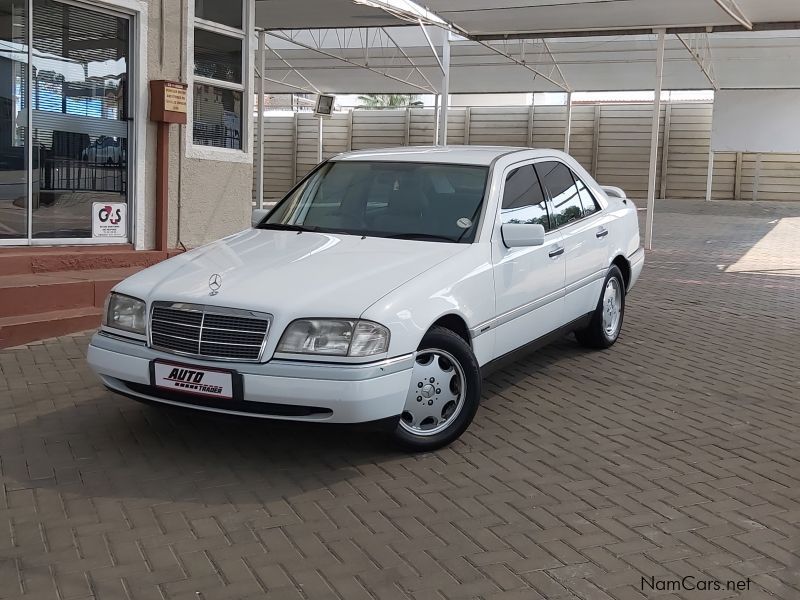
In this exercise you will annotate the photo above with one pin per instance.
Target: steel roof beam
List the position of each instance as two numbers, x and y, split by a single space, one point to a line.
314 89
734 12
318 50
776 26
408 58
562 86
703 60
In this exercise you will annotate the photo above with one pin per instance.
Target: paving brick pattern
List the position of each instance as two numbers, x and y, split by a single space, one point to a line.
676 453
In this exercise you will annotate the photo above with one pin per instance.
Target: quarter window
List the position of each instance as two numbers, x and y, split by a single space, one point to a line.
587 198
219 68
560 186
523 199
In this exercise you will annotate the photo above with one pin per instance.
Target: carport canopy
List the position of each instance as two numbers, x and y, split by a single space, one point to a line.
473 46
550 18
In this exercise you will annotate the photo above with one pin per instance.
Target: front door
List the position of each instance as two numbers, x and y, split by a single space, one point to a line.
64 180
529 282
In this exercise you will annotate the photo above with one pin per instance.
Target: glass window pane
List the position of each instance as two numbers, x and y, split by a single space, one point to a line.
557 180
217 116
523 200
587 198
217 56
386 199
13 89
80 110
226 12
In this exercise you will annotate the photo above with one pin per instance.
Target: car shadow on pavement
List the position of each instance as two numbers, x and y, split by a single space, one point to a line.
107 446
113 447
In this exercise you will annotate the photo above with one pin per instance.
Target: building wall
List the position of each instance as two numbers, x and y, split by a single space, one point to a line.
209 197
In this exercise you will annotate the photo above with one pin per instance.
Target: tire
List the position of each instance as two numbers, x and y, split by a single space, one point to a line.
597 334
436 415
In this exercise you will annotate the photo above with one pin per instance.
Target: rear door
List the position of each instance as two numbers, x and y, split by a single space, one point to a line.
577 217
529 282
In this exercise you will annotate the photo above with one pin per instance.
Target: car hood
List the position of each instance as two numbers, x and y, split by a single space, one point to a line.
289 274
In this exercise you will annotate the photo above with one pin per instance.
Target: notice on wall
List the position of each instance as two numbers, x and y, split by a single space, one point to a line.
109 220
174 97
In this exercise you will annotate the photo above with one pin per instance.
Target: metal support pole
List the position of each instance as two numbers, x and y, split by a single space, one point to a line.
757 177
294 149
568 129
665 151
445 88
531 116
737 178
651 178
262 52
710 172
319 148
596 139
436 119
350 130
710 175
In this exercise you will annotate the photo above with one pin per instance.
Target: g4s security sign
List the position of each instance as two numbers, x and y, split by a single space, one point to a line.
109 220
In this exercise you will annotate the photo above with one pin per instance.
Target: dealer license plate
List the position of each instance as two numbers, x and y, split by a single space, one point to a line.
189 379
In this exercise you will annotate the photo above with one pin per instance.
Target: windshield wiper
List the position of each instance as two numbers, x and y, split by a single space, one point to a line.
420 236
285 227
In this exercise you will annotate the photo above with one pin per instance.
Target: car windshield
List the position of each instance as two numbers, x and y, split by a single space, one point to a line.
423 201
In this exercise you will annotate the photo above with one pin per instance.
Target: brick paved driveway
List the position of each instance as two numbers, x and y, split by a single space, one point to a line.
677 453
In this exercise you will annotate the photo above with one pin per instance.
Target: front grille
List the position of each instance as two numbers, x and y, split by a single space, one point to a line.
208 331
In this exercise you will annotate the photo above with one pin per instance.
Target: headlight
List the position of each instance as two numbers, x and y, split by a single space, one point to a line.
124 312
335 337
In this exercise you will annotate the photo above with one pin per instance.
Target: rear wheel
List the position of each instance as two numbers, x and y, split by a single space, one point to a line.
606 323
443 395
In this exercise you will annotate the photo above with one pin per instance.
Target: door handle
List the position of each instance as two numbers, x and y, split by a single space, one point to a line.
602 233
556 252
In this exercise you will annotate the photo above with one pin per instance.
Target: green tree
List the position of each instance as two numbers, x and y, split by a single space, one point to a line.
389 101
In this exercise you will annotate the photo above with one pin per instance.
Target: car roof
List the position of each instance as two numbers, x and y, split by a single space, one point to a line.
462 155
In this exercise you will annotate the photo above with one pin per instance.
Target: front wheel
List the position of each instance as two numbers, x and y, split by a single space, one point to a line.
606 323
443 395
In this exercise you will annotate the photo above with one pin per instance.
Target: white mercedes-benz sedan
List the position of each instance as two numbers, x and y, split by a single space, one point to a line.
380 288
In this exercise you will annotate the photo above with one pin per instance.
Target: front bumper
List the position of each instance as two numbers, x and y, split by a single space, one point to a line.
278 389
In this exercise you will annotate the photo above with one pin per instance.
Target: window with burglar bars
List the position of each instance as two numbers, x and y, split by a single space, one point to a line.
220 74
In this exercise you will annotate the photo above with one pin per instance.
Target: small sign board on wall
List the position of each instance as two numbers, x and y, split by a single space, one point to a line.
109 220
174 97
168 103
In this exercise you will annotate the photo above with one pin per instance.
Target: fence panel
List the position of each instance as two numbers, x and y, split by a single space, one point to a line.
278 160
621 138
689 139
378 128
506 126
624 147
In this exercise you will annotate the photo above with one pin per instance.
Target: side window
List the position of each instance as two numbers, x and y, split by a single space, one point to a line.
557 181
588 202
523 199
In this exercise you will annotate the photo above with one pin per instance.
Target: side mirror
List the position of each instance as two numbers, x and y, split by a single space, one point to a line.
516 235
614 192
258 214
